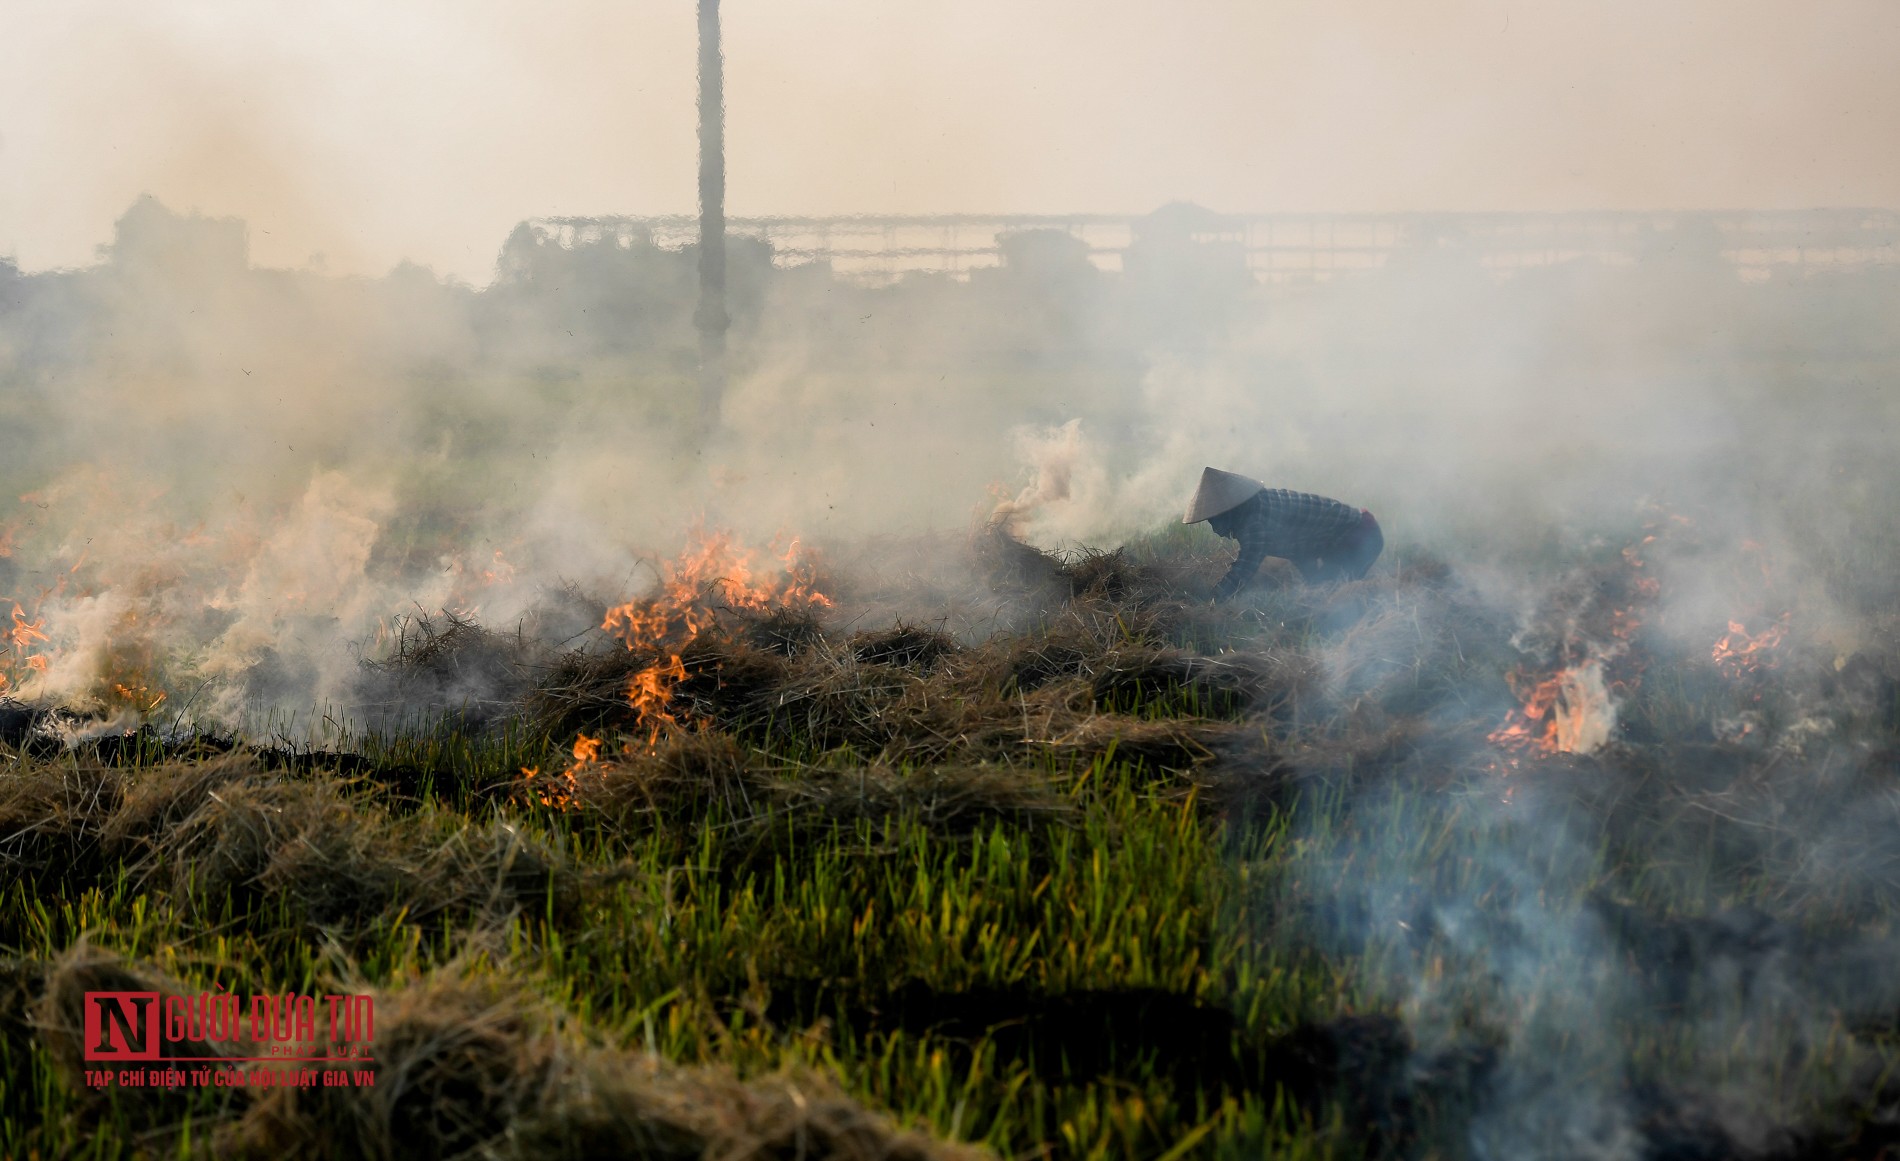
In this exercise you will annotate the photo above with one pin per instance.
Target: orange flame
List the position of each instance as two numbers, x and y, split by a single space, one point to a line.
1568 712
561 791
21 637
712 573
1737 653
24 632
1571 708
502 571
138 695
557 791
586 749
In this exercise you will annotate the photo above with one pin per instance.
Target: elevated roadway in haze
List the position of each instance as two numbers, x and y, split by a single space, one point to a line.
1292 247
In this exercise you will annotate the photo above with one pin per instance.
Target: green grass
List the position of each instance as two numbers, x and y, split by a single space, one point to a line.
683 952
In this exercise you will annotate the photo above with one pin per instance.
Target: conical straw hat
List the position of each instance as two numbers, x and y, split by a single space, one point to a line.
1219 492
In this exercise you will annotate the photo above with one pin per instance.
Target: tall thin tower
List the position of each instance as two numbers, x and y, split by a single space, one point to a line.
711 317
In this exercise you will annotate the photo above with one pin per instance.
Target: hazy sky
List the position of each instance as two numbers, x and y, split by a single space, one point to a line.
366 131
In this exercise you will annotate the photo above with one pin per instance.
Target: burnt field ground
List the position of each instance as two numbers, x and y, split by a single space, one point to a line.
1523 858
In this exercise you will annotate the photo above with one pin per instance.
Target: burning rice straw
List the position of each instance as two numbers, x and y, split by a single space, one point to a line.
1738 654
712 573
1571 708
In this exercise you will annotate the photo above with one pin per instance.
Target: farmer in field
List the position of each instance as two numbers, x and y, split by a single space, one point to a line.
1323 538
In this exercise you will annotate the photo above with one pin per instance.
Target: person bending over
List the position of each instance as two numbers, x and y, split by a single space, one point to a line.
1323 538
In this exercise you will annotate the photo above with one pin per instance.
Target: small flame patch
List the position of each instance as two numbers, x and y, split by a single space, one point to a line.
712 573
1739 653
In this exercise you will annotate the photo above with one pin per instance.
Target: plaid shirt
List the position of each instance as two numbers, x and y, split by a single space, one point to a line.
1276 522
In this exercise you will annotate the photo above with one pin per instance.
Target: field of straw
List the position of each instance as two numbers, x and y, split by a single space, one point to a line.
1074 863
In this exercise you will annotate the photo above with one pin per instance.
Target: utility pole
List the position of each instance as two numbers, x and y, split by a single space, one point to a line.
711 317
